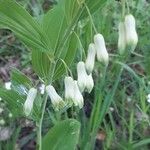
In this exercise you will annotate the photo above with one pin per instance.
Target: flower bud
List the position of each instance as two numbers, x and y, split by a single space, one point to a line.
2 122
28 105
89 63
56 100
122 38
82 75
78 98
8 85
69 89
131 34
102 54
90 83
42 88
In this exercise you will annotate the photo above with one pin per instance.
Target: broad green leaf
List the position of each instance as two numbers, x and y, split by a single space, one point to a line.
68 57
63 136
54 24
20 78
93 6
72 9
17 19
13 100
20 82
41 64
58 24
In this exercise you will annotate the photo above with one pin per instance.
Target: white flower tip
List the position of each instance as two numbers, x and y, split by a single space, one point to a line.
69 89
130 20
8 85
90 61
131 34
102 54
90 83
148 96
28 105
148 100
82 75
72 93
28 108
80 66
10 115
98 37
42 88
2 122
68 80
59 106
48 87
78 98
56 100
33 92
92 47
1 110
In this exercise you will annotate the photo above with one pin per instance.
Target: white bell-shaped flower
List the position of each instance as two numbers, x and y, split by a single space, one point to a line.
82 75
90 61
56 100
122 38
131 34
78 98
89 83
102 54
28 105
69 89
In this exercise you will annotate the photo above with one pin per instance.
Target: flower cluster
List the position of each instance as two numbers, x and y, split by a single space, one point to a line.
127 34
84 82
74 88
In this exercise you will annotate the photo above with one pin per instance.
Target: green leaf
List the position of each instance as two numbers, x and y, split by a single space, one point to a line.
13 100
17 19
54 24
93 6
72 9
20 82
68 57
141 143
41 64
63 136
59 31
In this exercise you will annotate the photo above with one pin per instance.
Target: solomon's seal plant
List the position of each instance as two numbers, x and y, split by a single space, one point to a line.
55 43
